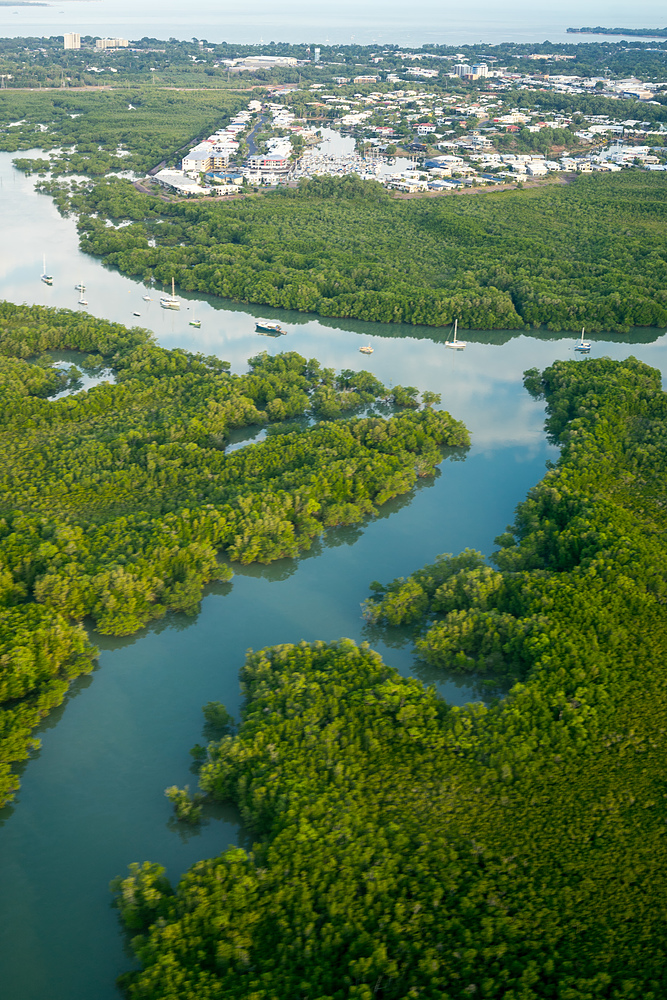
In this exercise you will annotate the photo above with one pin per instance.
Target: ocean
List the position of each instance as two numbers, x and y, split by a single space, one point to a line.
330 22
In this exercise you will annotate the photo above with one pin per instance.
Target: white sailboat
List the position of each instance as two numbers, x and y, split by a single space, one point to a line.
457 345
46 278
366 350
583 346
170 301
193 321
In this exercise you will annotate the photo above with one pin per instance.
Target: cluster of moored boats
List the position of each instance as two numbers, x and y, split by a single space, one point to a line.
275 330
166 301
171 302
582 346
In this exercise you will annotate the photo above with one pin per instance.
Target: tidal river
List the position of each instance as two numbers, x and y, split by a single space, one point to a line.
92 800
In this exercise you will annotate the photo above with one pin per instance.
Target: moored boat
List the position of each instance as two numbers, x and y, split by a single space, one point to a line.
454 343
366 350
273 329
170 301
584 346
46 278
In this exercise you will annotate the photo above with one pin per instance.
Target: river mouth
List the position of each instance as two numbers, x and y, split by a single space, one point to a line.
92 800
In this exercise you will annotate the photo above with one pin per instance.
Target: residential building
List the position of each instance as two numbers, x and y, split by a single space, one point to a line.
262 62
176 180
72 40
276 164
111 43
197 161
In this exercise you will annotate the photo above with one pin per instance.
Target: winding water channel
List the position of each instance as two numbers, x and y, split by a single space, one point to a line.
92 800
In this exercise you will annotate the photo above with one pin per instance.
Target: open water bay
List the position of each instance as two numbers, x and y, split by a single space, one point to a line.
328 22
92 800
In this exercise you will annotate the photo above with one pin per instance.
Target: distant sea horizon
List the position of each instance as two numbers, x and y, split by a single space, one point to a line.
335 23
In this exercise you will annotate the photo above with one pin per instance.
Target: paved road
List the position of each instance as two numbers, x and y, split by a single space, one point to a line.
251 137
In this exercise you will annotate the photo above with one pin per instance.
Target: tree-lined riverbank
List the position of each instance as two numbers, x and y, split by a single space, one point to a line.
563 256
417 849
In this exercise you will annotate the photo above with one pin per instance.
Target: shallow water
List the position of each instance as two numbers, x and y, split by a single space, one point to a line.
92 800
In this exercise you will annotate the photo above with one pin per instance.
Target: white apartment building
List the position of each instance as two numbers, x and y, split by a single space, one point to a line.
72 40
111 43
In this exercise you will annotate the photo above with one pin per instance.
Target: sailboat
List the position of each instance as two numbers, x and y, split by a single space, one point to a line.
584 346
46 278
82 301
170 301
80 287
457 345
193 321
366 350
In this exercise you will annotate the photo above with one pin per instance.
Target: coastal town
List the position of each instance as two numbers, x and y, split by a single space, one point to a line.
397 130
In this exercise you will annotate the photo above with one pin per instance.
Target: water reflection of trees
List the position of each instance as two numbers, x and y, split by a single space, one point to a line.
406 331
212 812
482 688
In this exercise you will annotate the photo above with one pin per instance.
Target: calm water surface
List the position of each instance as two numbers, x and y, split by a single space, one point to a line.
339 22
92 800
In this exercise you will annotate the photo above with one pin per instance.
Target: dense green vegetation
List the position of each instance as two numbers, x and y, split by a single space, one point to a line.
587 104
655 32
408 849
116 503
42 62
100 132
590 253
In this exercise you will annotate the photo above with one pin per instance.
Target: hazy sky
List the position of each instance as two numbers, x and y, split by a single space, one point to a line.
334 20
